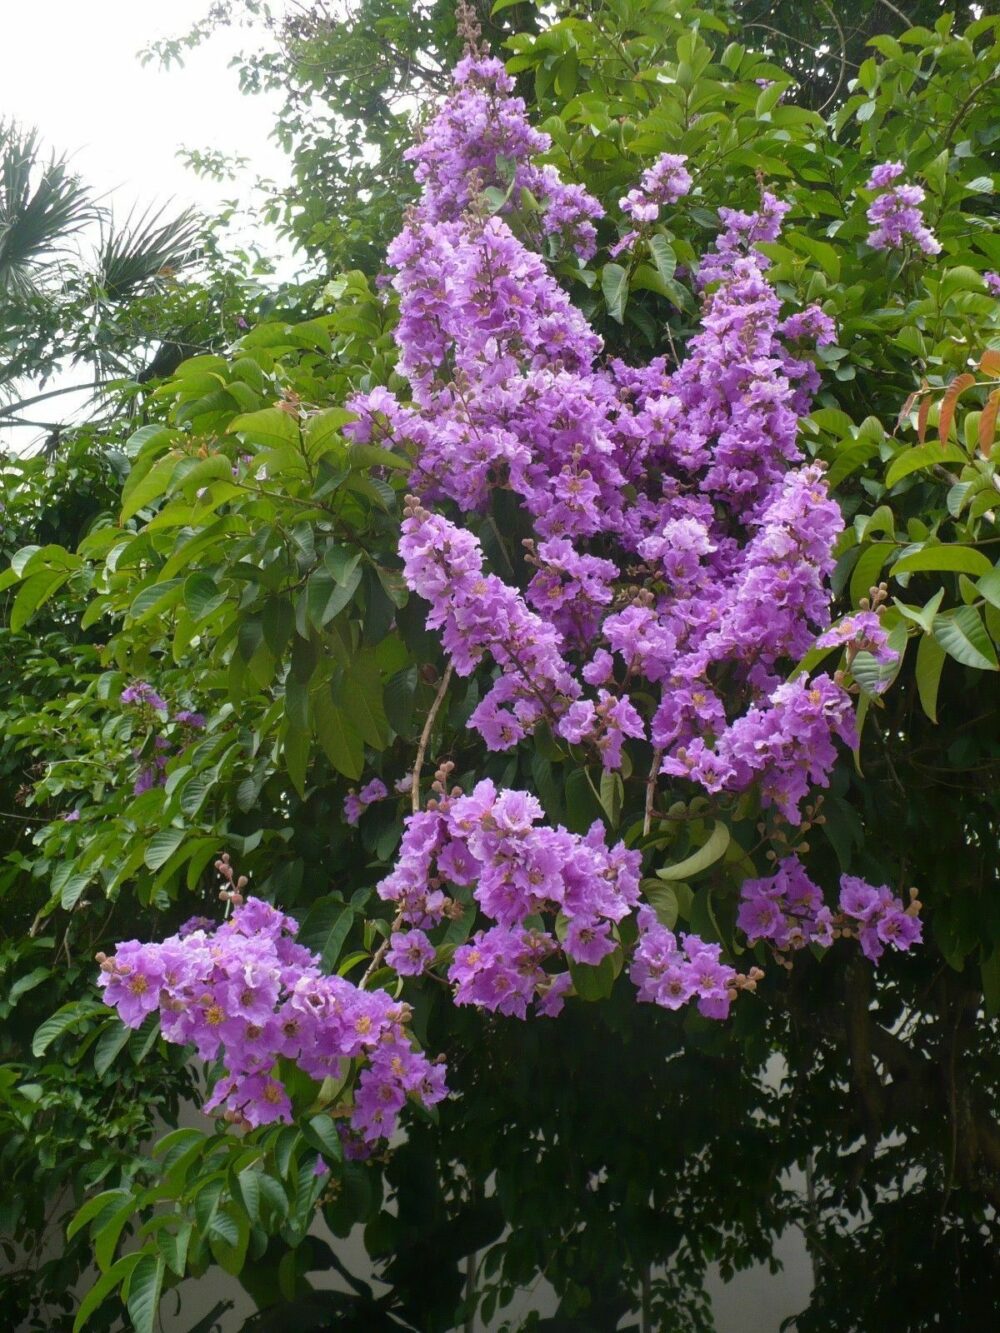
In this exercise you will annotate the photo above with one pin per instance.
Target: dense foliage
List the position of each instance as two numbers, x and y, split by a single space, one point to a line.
692 612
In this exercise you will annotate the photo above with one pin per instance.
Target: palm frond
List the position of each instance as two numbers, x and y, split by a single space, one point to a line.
42 204
132 256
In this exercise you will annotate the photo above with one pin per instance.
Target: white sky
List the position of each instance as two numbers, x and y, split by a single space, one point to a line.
70 68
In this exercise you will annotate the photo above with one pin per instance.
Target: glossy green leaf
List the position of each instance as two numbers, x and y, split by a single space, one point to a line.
962 634
944 558
162 846
711 851
269 427
930 660
614 285
145 1284
103 1288
65 1019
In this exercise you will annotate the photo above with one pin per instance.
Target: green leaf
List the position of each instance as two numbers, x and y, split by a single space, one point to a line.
107 1236
174 1248
924 615
145 1284
868 568
964 559
147 486
614 285
930 660
962 634
270 427
110 1045
988 587
321 1133
326 596
922 456
874 676
663 257
33 593
228 1237
247 1188
338 736
848 460
323 429
700 860
361 696
398 698
103 1288
596 982
663 900
64 1020
162 846
100 1203
158 597
612 796
202 595
325 928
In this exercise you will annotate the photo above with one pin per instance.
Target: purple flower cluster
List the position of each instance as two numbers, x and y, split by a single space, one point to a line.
481 138
860 632
554 897
142 696
741 234
152 774
787 910
521 871
680 542
666 181
895 212
478 614
247 990
356 803
784 743
671 973
878 917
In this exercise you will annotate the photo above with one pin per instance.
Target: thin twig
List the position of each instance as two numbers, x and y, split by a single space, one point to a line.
898 12
957 118
425 736
843 55
380 953
647 821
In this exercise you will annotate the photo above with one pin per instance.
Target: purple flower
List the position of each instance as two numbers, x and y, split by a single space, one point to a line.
411 952
248 991
139 695
882 176
666 181
553 997
786 909
185 718
858 899
588 942
131 981
895 213
355 804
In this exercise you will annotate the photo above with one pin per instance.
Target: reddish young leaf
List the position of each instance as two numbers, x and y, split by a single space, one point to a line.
988 423
955 388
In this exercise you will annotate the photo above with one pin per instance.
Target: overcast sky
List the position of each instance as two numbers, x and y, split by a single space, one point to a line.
70 68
